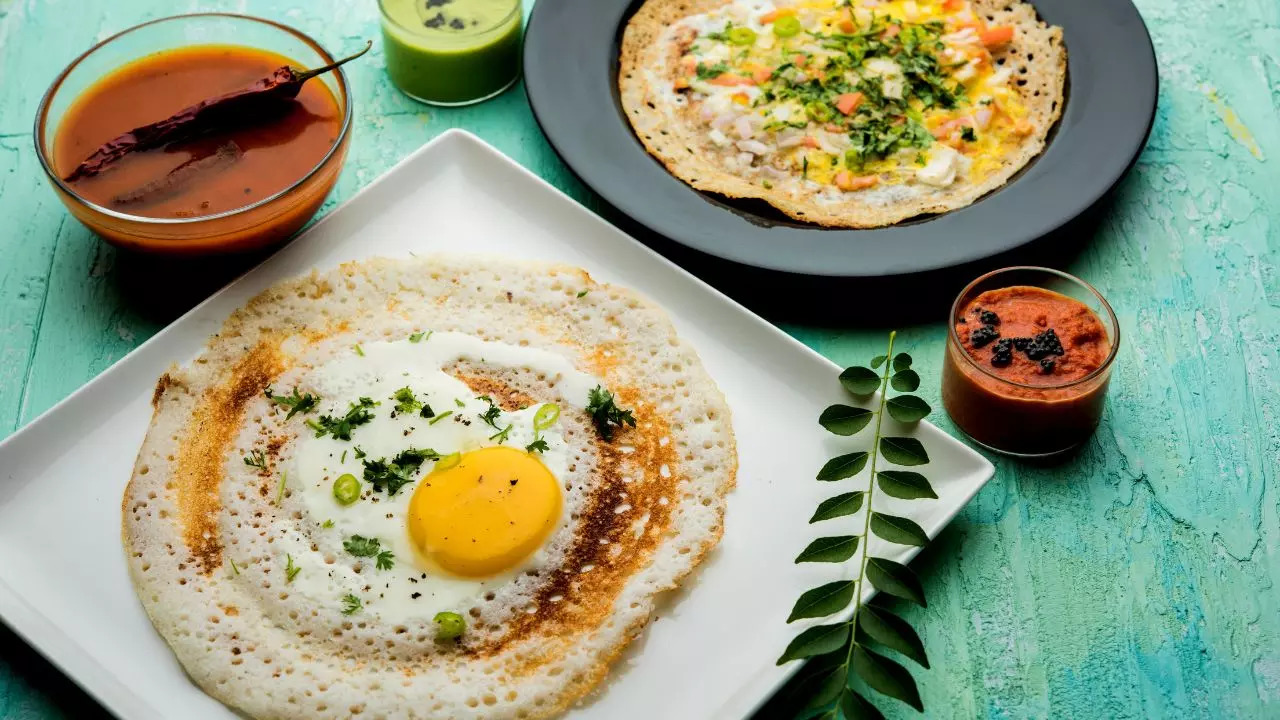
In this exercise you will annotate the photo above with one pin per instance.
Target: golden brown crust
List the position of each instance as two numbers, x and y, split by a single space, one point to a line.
1037 54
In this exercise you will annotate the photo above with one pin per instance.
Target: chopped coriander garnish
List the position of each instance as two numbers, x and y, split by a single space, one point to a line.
582 293
439 417
255 458
359 350
490 416
360 453
605 414
458 402
327 523
280 489
340 428
351 604
290 570
344 456
416 337
235 570
296 403
968 135
707 72
538 445
426 411
405 401
391 476
501 435
370 547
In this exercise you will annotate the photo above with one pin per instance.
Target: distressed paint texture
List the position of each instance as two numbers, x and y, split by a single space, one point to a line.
1136 580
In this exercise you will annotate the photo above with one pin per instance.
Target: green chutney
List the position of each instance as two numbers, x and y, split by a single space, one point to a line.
452 52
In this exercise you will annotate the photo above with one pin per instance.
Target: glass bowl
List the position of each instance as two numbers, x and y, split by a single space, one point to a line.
265 222
1019 419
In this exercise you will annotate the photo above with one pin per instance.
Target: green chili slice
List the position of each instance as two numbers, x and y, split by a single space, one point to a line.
449 625
742 36
346 489
549 413
787 26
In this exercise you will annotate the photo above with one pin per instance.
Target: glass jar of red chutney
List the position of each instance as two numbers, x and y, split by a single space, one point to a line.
1028 359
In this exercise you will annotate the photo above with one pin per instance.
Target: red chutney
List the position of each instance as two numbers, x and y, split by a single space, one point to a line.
1021 370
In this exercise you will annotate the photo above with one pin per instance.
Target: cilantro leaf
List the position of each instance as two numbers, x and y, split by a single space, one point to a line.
351 604
255 458
538 445
405 401
391 476
340 428
296 403
605 414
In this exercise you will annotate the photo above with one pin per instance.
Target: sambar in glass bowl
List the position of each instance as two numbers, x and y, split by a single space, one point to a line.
246 182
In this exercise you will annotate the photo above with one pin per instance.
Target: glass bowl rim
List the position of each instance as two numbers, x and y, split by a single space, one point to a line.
953 337
46 101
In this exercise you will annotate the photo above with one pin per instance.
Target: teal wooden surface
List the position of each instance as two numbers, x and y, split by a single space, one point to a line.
1137 580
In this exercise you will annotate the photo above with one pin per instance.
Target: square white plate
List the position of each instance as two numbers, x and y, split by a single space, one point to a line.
710 654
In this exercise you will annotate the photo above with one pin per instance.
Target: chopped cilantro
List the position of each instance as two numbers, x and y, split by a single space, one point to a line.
359 350
327 523
405 401
295 402
501 435
416 337
426 412
290 570
391 476
605 414
351 604
968 135
538 445
707 72
370 547
439 417
583 293
340 428
255 458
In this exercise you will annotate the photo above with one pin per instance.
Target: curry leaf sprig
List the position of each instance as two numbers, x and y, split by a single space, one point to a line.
858 643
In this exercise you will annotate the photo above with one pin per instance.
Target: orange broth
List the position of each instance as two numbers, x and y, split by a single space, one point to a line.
215 173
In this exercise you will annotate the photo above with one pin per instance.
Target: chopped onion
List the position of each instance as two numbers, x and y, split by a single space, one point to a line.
754 147
742 126
982 118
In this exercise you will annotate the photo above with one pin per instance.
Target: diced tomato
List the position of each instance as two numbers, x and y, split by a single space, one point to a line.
810 142
769 17
952 5
832 127
817 74
682 83
846 180
730 80
891 32
997 36
689 63
848 102
799 60
761 75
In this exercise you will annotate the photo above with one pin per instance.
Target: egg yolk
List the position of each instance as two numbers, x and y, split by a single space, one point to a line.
485 514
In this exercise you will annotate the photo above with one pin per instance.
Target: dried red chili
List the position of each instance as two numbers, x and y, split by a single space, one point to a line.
256 102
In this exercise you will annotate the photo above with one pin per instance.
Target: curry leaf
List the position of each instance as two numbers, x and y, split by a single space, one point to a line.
908 408
839 506
845 419
893 632
860 380
856 707
901 362
830 549
896 579
898 530
844 466
877 361
903 451
823 600
905 484
886 676
817 640
905 380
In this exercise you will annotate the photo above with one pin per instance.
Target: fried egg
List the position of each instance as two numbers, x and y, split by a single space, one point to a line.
465 522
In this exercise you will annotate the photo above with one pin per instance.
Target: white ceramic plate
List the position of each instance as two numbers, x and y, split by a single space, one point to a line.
710 654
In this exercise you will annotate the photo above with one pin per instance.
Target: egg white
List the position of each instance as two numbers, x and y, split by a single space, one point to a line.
377 371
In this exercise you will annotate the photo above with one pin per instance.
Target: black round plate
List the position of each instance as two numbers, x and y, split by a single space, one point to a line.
571 72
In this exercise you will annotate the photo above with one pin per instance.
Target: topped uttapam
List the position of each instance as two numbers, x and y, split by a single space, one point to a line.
845 113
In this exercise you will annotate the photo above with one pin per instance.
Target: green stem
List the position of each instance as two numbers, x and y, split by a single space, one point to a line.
871 489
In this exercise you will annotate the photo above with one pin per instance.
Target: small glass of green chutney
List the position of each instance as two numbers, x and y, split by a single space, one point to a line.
452 52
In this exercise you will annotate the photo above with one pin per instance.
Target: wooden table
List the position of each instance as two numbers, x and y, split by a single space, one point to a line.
1137 580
